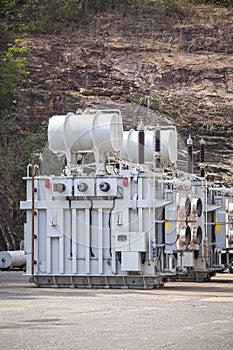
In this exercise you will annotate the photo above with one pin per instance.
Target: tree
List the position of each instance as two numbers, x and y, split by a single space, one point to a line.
12 71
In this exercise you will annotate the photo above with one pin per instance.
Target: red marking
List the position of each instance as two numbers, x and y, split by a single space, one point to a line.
125 181
47 183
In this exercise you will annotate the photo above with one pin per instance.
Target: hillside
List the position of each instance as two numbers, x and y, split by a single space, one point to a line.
179 66
185 69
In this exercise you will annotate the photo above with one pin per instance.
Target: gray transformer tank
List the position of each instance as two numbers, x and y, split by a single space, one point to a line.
122 221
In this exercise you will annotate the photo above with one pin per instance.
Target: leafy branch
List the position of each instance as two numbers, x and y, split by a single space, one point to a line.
12 71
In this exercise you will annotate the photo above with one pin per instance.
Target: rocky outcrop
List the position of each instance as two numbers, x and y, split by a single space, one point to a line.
184 67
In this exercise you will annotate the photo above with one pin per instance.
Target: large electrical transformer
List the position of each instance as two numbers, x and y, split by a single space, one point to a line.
120 213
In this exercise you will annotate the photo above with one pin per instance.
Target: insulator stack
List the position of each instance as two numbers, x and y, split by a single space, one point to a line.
141 143
190 154
202 158
157 148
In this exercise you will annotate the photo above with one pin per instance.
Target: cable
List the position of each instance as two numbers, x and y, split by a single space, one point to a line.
173 242
110 226
105 167
120 193
116 168
110 217
90 222
159 256
71 238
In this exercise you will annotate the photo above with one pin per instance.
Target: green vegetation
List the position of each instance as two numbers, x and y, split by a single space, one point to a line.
35 141
12 158
12 71
37 15
42 16
12 74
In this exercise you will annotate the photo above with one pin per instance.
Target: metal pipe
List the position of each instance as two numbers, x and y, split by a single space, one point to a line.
28 169
33 210
149 219
164 127
202 158
222 189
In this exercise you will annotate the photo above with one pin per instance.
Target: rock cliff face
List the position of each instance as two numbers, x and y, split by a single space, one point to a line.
181 69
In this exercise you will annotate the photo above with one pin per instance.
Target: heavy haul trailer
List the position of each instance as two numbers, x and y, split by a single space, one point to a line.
125 223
